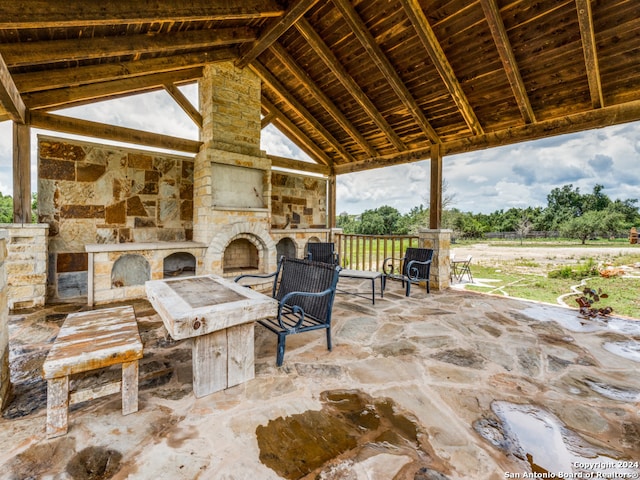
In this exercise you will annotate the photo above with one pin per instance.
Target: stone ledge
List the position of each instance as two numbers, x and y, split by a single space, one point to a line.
126 247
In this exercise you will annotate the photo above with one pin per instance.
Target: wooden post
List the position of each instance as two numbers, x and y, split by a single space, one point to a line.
21 173
331 201
435 204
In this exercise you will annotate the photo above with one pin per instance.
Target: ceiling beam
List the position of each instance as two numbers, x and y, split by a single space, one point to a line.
76 76
57 51
184 103
59 123
266 120
291 164
293 133
274 84
500 38
301 76
439 59
275 30
74 96
10 99
83 13
384 65
585 19
352 87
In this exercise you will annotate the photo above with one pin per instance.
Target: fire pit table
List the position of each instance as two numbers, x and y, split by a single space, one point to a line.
218 315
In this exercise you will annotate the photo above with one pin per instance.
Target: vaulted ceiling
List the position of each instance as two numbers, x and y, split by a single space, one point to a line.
356 84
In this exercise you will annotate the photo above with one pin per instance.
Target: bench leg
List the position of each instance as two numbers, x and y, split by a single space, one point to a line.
57 406
129 387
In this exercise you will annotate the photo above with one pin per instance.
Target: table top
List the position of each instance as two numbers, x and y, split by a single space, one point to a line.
345 272
193 306
94 339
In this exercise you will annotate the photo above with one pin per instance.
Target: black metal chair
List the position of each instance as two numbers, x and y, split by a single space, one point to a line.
323 252
414 267
305 291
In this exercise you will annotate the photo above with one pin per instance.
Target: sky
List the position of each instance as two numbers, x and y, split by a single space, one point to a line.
484 181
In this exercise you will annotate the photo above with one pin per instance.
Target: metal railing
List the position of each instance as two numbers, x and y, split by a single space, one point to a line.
367 252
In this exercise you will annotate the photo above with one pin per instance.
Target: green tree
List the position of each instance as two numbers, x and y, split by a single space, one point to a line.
583 227
380 221
347 223
6 209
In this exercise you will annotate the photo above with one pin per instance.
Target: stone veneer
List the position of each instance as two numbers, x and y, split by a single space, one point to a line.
298 201
440 242
90 193
26 264
5 374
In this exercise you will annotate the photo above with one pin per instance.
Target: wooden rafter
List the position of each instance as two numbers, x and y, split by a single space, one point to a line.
267 119
70 77
275 85
10 98
275 29
74 96
83 13
299 165
184 103
297 136
301 76
499 33
327 56
439 59
87 128
585 19
55 51
382 62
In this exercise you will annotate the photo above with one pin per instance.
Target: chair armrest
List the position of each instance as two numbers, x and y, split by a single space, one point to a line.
392 265
262 276
412 271
296 309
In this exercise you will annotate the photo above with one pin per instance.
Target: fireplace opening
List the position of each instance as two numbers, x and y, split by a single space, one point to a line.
179 264
130 269
286 247
240 256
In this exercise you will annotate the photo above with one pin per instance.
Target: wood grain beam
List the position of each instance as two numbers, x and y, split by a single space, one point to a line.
500 38
55 51
76 76
585 20
275 30
384 65
439 59
293 133
266 120
10 99
184 103
592 119
21 173
87 128
82 13
292 164
74 96
274 84
352 87
435 198
301 76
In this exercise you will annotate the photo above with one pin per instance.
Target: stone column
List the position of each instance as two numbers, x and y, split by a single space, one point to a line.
440 242
5 378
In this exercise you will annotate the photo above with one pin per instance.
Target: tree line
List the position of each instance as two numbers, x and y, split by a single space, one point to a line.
568 211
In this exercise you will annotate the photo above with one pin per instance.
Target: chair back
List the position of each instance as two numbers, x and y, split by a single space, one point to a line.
420 255
323 252
299 275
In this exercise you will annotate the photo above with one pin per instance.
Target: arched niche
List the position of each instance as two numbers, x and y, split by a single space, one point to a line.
130 269
179 264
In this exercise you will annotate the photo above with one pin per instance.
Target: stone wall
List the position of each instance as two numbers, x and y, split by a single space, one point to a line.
90 193
26 264
298 201
5 378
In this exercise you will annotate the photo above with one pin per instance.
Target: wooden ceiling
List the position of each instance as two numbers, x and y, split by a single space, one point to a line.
356 84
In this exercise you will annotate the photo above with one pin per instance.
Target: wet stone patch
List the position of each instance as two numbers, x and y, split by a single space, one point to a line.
352 432
94 463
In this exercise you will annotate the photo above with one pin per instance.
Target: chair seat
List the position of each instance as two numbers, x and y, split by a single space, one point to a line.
290 322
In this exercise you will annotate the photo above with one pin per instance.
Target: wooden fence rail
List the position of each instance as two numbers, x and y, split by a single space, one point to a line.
368 252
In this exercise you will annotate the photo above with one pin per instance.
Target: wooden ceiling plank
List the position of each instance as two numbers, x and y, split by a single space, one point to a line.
273 83
87 128
297 136
500 38
292 164
56 51
184 103
274 30
585 20
58 13
384 65
76 76
74 96
302 77
10 99
327 56
440 61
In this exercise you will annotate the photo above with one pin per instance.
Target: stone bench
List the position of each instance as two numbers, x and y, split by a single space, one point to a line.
89 341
